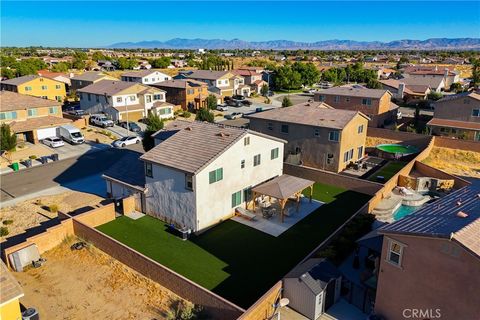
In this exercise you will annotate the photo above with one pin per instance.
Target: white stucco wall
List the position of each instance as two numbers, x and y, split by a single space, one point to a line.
214 201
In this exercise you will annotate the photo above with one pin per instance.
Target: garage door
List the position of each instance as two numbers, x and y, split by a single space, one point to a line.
46 132
132 116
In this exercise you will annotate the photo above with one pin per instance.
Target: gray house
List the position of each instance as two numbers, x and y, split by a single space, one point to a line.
313 287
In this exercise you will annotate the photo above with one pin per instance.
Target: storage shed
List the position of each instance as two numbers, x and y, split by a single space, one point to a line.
313 287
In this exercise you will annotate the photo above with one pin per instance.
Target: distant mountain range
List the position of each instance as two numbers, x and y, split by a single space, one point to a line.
429 44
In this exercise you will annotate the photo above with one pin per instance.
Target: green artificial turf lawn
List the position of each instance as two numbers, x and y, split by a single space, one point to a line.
387 171
233 260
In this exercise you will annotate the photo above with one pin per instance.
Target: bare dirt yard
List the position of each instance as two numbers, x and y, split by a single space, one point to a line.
458 162
33 212
373 141
89 284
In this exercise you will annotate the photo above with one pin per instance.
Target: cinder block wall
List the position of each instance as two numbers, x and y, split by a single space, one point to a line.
264 307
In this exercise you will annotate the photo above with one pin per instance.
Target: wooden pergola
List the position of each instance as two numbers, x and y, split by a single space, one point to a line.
282 188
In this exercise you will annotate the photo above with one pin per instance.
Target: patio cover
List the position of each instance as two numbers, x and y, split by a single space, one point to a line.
282 188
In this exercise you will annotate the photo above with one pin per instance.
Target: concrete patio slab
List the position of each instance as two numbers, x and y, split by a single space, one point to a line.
274 226
135 215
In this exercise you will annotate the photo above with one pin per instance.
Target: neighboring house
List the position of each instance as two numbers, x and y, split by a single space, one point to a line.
431 261
318 135
447 74
88 78
219 82
402 91
59 76
375 103
120 99
147 77
36 86
198 172
457 116
251 78
189 94
31 118
11 293
312 287
436 84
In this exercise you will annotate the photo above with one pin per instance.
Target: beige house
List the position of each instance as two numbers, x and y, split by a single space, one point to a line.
88 78
318 135
219 82
457 116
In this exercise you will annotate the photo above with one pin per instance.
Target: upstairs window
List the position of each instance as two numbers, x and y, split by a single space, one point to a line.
246 141
321 98
336 99
270 126
257 160
28 88
132 98
360 129
44 87
119 99
148 170
316 132
188 181
284 128
395 253
242 164
157 96
52 110
215 175
367 101
274 153
57 86
476 113
32 112
333 136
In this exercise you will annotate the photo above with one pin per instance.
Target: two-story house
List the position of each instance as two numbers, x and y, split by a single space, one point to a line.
199 173
430 261
406 92
189 94
147 77
88 78
31 118
124 100
318 135
439 78
219 82
375 103
252 78
36 86
457 116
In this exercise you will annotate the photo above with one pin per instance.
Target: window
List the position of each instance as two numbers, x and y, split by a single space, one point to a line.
146 79
270 126
58 98
132 98
57 86
347 99
336 99
148 170
44 88
119 99
153 79
360 152
246 141
395 252
367 101
8 115
333 136
97 98
330 158
28 88
188 181
52 110
316 132
348 155
32 112
242 164
190 91
215 175
236 199
360 129
284 128
89 96
476 113
149 98
165 111
157 96
321 98
44 97
257 160
274 154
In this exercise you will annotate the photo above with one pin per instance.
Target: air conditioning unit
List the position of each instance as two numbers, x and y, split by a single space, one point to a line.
30 314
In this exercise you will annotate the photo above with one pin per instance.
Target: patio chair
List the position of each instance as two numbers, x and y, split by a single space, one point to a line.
267 213
245 213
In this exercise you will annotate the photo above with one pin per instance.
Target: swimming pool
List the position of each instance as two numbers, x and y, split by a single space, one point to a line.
397 149
404 211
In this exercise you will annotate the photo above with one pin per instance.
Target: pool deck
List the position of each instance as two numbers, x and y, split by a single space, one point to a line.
386 208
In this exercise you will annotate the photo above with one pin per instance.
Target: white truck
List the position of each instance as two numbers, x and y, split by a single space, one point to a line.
71 134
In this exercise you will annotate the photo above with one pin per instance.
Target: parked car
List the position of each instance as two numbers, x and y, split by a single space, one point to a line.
246 102
234 103
234 115
126 141
71 134
78 113
53 142
132 126
222 107
238 97
101 120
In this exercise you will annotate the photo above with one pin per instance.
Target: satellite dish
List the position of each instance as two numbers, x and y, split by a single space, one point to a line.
284 302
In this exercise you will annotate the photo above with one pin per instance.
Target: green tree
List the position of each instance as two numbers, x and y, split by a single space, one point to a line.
60 67
97 55
7 73
475 72
309 74
8 139
154 123
456 87
373 84
287 78
264 90
211 102
286 102
204 114
434 96
126 63
161 63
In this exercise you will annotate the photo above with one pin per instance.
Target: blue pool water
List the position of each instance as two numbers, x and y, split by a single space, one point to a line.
404 211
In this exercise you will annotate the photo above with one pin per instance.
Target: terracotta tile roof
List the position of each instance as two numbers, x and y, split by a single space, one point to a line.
245 73
50 74
454 124
9 287
11 101
37 123
316 114
353 92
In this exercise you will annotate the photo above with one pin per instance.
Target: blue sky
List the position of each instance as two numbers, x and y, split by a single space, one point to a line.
93 23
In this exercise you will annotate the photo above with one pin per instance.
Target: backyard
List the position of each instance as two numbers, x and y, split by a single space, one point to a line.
388 170
234 260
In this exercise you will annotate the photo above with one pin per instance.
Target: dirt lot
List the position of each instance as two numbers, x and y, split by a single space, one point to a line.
89 284
32 212
457 162
373 142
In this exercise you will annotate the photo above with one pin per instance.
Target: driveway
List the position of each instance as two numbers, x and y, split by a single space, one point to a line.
247 109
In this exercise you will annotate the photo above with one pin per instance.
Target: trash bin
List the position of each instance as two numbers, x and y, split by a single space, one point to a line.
15 166
54 157
44 159
28 163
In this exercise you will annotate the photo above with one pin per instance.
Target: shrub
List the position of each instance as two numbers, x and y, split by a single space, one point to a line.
3 231
7 222
89 130
8 138
53 208
186 114
33 157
